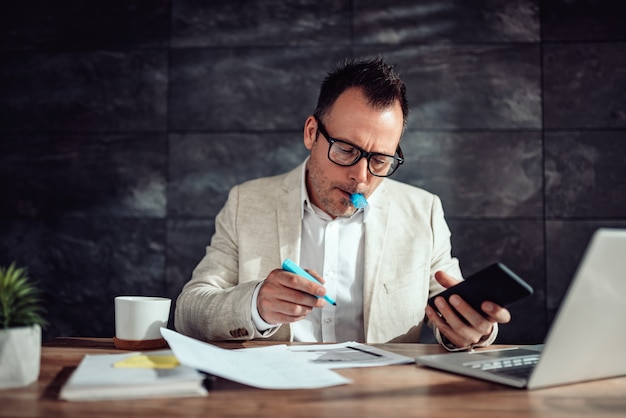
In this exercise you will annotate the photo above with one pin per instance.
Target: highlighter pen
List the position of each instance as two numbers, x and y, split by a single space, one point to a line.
292 267
358 200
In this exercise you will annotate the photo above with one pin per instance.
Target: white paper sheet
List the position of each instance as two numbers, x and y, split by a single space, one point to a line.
272 367
348 354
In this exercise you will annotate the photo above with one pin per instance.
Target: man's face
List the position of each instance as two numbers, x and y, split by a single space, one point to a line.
354 120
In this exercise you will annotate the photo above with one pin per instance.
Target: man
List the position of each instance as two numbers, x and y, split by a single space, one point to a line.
379 263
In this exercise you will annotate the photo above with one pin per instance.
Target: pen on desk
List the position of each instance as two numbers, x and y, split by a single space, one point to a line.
365 351
296 269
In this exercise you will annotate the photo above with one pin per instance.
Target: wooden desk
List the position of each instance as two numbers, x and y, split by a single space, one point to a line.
393 391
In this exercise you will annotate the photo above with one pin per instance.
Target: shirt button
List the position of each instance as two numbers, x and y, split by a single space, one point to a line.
327 320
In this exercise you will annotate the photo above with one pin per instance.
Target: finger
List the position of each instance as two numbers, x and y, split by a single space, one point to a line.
444 328
302 284
316 275
434 317
275 310
449 314
278 311
475 319
280 300
437 318
459 332
496 312
281 289
446 280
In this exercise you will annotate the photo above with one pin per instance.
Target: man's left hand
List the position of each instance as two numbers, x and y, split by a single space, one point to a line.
475 327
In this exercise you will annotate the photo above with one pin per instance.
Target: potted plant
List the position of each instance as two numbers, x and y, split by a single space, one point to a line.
20 328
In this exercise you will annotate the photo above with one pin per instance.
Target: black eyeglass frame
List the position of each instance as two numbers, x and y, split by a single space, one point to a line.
399 157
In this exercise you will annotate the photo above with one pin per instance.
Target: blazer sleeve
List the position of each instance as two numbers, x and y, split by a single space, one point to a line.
443 261
216 303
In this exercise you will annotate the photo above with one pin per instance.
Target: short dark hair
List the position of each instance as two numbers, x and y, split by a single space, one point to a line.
380 83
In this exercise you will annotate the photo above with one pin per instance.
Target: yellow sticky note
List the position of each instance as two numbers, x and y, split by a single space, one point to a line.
148 362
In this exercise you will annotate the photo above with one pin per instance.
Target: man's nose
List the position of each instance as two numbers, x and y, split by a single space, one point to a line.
359 172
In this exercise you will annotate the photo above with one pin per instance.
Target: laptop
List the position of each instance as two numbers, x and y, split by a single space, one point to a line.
586 340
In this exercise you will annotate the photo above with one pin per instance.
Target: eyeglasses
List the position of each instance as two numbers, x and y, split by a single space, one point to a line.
345 154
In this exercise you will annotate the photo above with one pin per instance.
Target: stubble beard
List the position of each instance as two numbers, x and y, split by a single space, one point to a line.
323 189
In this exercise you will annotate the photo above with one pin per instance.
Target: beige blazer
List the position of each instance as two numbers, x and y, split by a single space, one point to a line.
406 241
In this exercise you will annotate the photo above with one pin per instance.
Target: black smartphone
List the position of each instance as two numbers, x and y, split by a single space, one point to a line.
496 283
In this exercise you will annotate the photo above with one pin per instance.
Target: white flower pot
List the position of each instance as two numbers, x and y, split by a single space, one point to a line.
20 356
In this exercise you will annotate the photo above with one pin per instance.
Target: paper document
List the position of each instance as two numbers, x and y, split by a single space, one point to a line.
349 354
272 367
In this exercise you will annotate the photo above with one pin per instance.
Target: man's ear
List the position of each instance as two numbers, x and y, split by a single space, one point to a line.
310 132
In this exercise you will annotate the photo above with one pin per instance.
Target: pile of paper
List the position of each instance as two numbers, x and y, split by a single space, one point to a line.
131 376
179 372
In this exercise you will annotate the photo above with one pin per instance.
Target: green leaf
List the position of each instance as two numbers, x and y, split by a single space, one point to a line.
20 302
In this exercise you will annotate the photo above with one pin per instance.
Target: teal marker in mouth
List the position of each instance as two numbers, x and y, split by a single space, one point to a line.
358 200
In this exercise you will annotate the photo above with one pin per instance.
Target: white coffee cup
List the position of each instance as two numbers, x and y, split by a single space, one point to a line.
140 318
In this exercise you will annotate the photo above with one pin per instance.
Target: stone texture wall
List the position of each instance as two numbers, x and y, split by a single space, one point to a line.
123 124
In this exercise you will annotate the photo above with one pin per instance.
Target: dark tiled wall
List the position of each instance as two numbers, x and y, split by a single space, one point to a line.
123 124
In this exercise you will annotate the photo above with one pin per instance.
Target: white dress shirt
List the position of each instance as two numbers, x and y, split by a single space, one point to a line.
334 249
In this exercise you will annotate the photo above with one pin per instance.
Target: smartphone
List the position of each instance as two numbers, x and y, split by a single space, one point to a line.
496 283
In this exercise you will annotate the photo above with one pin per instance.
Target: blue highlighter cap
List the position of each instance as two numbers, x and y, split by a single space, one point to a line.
358 200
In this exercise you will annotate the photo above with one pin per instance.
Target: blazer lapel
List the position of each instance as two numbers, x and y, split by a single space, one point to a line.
289 212
289 225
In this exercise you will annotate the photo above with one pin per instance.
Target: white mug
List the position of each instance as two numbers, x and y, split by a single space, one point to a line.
140 318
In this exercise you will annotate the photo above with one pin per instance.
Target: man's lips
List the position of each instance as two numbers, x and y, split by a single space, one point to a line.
348 194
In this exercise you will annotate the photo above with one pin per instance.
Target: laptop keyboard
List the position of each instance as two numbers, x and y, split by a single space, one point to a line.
520 366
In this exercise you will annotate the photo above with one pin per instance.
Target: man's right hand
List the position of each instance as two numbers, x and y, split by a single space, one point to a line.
285 297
